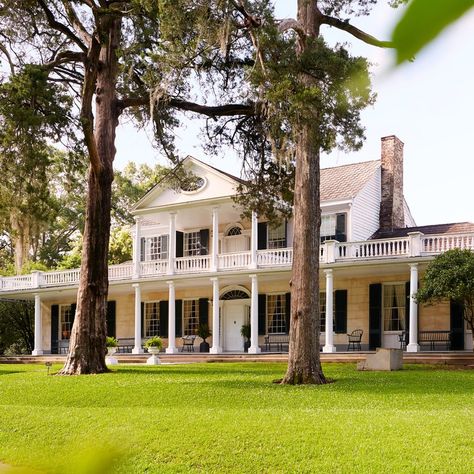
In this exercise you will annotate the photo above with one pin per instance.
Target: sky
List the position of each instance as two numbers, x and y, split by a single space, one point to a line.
428 104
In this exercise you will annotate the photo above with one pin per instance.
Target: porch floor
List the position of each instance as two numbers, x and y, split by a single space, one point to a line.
456 358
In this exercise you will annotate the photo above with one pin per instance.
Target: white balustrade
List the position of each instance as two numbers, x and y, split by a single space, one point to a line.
121 272
435 244
197 263
277 257
229 261
373 249
64 277
16 282
155 267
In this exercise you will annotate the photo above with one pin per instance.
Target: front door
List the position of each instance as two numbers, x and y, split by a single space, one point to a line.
234 318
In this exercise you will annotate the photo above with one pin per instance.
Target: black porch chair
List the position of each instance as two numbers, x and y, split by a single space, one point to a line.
354 339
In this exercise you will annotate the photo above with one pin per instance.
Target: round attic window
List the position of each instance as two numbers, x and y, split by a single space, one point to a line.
193 184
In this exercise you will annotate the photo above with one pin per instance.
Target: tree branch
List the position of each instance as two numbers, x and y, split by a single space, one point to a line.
66 57
60 26
213 111
4 50
76 23
359 34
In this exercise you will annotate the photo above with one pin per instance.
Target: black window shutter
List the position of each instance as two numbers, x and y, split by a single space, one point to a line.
262 235
286 235
142 316
262 314
204 241
288 311
179 317
164 318
73 312
203 311
54 328
375 316
457 325
111 318
340 311
407 310
142 249
179 244
341 234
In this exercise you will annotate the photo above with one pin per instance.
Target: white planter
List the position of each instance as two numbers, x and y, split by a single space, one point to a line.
109 360
153 359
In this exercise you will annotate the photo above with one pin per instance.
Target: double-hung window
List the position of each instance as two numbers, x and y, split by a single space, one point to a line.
394 307
151 318
66 320
276 314
155 248
333 227
277 236
190 317
192 244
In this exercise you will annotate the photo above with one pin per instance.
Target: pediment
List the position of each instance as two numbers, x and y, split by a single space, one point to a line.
212 184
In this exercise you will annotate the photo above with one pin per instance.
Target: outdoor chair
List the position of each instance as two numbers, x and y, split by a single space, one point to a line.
402 339
354 339
188 343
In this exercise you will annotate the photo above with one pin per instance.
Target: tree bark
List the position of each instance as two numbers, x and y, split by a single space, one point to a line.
304 364
87 345
21 240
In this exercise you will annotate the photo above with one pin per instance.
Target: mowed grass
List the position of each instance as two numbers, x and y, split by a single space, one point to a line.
232 418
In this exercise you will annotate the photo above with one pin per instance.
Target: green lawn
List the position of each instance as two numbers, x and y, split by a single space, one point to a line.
231 418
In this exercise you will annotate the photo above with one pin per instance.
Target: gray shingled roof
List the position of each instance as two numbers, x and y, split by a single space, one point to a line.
453 228
344 182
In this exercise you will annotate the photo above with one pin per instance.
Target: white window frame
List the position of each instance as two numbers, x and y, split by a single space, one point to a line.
192 243
157 247
387 307
65 321
151 317
191 328
282 314
276 236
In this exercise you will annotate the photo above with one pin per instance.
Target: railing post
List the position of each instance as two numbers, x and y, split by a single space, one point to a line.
415 243
37 279
330 252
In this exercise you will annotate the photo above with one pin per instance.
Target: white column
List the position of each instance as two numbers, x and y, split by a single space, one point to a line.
137 247
254 241
215 239
254 347
413 332
171 349
329 345
138 320
38 349
172 243
216 343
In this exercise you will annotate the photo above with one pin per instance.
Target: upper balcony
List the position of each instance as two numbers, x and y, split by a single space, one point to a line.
331 253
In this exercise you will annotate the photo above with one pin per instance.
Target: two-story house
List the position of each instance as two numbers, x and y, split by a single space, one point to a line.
195 260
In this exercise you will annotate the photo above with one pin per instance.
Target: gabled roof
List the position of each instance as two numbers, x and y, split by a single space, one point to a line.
345 182
453 228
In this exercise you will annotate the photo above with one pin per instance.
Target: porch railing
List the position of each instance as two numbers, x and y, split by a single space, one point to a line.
415 245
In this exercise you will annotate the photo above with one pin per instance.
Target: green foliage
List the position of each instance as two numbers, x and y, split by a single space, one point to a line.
243 422
422 22
203 331
16 327
154 341
111 342
245 331
450 276
120 245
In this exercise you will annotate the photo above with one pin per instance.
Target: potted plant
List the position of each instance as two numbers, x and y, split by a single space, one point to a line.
245 333
203 332
153 346
111 343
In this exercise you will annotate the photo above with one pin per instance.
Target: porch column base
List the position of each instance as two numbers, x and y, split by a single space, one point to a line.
413 348
172 350
215 350
254 350
38 352
327 348
137 350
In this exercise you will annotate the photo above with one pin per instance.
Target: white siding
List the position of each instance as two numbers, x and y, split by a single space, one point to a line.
409 221
366 209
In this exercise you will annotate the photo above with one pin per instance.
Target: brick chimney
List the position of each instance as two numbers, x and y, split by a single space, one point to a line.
392 215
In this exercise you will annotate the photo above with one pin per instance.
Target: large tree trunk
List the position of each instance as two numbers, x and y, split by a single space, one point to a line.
87 346
304 364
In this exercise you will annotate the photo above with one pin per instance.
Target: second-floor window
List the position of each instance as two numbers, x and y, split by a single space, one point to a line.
333 227
158 248
192 244
277 236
